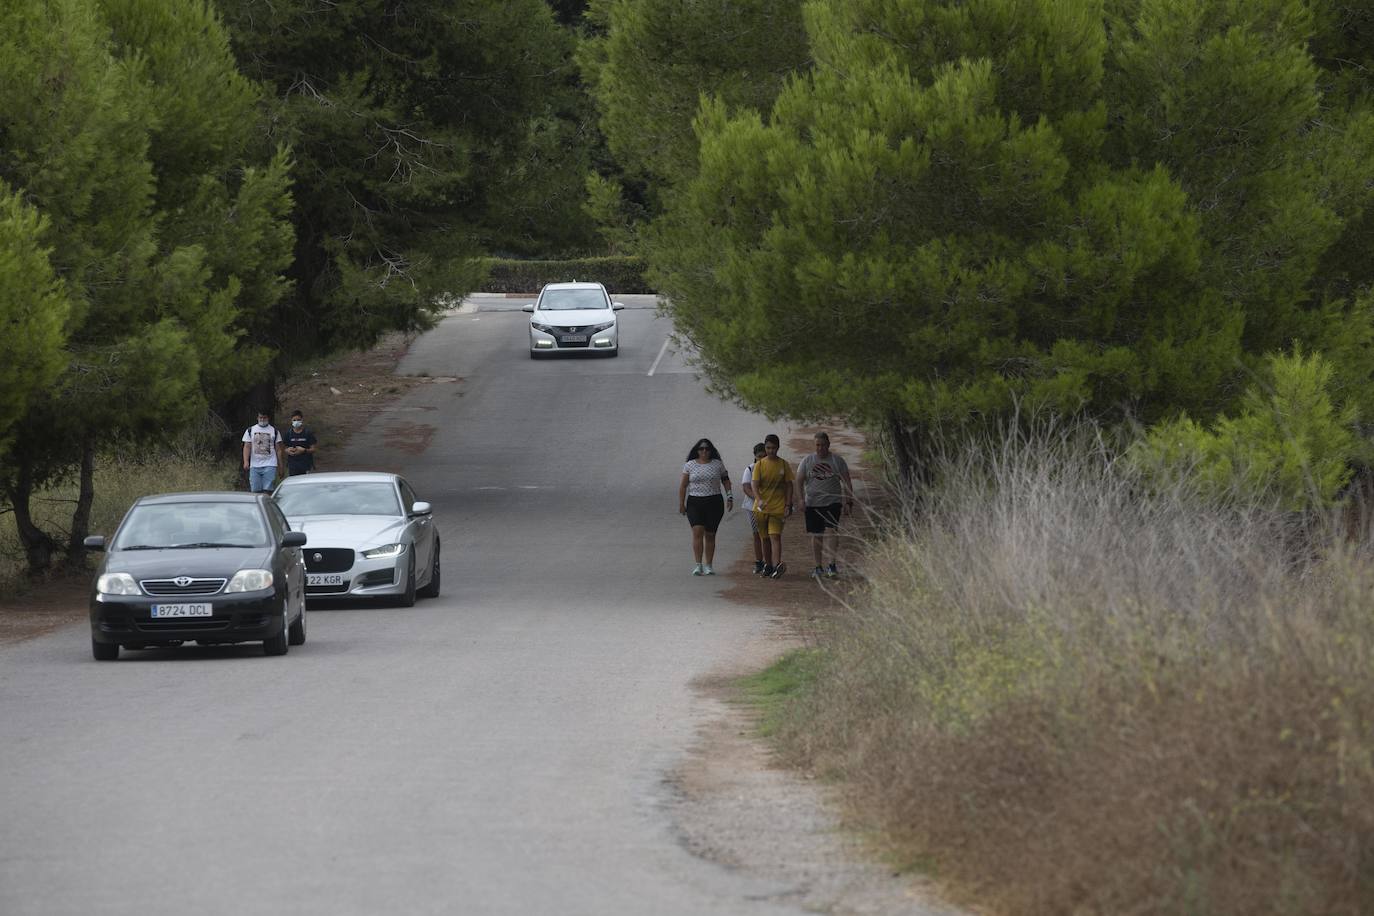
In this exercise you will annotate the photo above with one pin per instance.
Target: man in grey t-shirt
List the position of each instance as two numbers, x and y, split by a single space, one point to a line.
826 493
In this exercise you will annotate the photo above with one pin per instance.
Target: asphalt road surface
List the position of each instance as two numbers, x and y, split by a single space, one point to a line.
500 749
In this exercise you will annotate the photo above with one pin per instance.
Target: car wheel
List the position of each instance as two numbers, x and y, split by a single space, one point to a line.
278 645
408 599
296 634
431 589
105 651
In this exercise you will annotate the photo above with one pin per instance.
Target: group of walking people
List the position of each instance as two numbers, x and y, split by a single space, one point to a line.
820 486
269 453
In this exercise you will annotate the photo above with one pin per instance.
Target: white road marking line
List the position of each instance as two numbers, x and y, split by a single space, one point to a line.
491 488
662 350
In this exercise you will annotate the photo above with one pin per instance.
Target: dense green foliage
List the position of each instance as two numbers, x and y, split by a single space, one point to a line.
1287 443
422 132
619 274
33 310
649 62
964 209
125 125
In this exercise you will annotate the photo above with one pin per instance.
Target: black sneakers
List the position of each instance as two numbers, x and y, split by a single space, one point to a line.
777 571
758 567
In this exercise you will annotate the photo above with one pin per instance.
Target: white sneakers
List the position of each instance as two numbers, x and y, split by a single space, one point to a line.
703 569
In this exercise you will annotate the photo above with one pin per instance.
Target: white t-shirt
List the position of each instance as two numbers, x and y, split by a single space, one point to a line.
262 452
704 479
748 478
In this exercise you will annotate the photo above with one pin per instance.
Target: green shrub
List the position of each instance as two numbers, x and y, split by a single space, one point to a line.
1288 444
619 274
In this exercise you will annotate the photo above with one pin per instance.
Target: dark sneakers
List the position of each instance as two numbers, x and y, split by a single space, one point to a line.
831 572
777 571
758 567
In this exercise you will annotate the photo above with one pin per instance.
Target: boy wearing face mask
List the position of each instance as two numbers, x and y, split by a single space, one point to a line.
262 453
300 446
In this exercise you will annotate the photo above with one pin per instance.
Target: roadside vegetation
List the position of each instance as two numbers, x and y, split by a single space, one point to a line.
1064 689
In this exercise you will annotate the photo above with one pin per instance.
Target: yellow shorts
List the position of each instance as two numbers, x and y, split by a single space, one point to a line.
769 522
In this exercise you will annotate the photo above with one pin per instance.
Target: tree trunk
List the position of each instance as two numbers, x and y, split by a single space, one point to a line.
38 544
81 517
912 447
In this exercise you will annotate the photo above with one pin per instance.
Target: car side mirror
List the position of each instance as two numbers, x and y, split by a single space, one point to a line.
527 308
617 306
94 542
293 539
421 508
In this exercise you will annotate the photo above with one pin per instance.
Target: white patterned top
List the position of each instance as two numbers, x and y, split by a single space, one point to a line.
705 479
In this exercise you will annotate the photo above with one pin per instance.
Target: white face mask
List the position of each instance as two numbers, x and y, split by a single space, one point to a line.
262 423
297 423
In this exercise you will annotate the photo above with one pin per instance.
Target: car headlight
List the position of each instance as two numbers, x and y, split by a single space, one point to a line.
116 584
385 552
250 580
603 327
547 329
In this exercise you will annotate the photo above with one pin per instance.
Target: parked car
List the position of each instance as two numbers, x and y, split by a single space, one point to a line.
208 567
369 535
574 317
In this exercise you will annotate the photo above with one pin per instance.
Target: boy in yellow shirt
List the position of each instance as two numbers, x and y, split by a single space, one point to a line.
772 483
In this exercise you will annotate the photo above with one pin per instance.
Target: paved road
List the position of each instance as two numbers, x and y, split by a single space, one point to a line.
500 749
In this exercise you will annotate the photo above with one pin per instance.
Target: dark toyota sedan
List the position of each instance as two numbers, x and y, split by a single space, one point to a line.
209 567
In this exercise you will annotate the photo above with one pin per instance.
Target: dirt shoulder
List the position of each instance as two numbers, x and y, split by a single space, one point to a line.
734 804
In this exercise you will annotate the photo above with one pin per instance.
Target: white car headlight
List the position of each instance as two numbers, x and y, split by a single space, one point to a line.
250 580
547 329
117 584
385 552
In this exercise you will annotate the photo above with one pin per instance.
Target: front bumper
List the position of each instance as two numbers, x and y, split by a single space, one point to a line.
600 341
363 578
128 619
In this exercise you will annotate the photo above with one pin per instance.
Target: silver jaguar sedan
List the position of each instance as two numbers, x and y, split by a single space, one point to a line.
369 536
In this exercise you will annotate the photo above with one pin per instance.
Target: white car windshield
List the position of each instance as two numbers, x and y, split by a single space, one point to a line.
338 498
562 300
170 525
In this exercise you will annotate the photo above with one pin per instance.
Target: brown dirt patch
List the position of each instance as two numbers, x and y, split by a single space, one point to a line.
43 607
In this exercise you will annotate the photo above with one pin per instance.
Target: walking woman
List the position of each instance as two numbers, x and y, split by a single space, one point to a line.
698 498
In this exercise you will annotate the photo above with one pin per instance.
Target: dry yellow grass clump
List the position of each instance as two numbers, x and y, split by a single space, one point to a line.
1063 693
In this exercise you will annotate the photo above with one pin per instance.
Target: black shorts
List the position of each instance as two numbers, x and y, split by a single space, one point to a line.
706 511
819 518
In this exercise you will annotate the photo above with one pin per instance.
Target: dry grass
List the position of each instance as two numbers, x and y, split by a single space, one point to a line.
1064 695
119 480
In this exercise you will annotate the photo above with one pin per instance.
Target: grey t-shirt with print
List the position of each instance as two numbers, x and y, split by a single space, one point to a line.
823 479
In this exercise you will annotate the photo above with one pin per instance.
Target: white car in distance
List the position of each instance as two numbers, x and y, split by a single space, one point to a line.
574 318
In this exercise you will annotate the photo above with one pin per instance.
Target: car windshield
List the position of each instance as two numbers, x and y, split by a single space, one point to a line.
338 498
562 300
192 524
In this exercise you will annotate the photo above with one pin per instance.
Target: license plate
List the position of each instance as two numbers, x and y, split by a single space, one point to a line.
324 578
182 610
573 338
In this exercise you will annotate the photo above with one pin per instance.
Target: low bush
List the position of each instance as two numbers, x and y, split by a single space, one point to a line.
119 480
621 274
1065 692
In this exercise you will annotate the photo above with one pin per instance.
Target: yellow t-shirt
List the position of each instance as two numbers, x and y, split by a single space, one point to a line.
770 479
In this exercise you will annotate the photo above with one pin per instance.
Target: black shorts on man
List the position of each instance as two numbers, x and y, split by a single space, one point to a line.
819 518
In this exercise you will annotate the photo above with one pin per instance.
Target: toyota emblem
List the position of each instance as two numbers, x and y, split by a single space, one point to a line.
182 581
317 557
